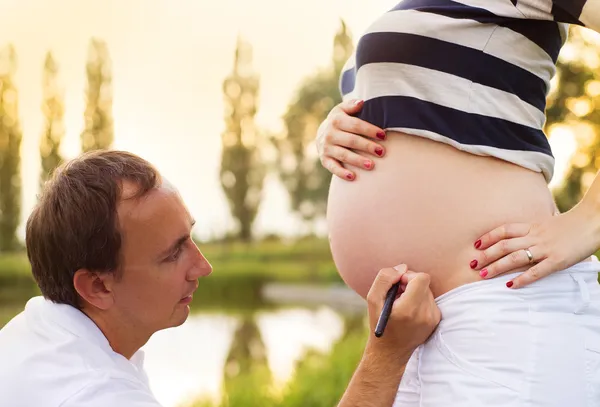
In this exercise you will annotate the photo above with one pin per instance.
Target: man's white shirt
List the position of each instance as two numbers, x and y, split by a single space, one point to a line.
53 355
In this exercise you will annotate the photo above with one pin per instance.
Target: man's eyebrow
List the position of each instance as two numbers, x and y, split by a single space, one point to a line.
181 240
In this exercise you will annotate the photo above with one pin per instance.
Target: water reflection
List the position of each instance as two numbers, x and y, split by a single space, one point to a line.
185 362
289 333
211 352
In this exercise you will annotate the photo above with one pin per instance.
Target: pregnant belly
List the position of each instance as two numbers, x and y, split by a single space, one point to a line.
425 204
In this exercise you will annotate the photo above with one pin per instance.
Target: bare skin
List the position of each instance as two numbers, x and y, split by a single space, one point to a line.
425 204
159 271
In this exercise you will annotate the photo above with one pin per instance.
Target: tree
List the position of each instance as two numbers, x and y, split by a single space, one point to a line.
247 377
10 146
242 171
54 130
575 103
301 172
98 131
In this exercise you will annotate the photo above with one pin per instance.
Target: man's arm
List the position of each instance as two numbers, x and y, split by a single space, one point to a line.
413 318
375 382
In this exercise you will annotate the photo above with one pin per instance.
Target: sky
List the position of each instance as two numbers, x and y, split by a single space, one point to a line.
169 60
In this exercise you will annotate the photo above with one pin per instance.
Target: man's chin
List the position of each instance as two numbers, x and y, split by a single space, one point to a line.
180 316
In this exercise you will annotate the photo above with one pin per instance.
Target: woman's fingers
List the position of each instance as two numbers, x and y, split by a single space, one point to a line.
511 262
506 247
354 142
347 156
507 231
538 271
342 119
342 139
356 126
336 168
351 106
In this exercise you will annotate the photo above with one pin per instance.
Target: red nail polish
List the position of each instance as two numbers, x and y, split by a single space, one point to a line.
381 135
478 244
368 165
509 284
473 264
350 176
483 273
379 151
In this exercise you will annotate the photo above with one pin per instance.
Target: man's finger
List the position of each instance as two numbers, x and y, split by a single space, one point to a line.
385 279
411 275
417 284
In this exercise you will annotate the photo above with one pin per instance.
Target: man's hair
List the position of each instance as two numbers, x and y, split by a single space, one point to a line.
74 224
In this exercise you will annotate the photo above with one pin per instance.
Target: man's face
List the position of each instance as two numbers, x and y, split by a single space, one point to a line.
160 264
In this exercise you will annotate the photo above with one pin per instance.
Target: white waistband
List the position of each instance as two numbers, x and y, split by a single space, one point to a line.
591 268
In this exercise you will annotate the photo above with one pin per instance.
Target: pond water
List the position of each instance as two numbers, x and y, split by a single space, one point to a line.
192 360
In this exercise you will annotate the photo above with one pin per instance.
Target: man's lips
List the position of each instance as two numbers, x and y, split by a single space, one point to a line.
188 298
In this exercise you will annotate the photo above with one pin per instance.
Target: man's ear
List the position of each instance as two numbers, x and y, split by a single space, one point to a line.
95 287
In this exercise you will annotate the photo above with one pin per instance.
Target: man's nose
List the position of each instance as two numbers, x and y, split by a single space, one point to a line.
202 267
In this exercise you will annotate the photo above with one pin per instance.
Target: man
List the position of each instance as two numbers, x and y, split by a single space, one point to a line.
110 247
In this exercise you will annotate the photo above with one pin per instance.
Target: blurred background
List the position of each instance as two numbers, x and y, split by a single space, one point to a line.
225 99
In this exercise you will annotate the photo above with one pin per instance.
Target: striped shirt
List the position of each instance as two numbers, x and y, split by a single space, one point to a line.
474 74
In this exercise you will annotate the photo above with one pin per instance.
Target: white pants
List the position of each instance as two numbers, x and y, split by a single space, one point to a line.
534 346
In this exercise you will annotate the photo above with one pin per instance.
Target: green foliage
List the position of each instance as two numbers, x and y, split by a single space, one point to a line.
54 129
10 155
242 171
300 170
16 282
98 132
575 103
319 379
16 285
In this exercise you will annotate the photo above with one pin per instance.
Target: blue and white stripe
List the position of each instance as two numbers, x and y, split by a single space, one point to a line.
470 73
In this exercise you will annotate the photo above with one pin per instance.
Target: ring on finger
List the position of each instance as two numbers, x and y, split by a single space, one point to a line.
529 255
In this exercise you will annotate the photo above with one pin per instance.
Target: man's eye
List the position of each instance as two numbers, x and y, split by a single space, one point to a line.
175 255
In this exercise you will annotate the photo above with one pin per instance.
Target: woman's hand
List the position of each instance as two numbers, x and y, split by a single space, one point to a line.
343 139
554 245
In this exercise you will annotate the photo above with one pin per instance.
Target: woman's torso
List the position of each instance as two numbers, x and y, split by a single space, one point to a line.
425 204
461 92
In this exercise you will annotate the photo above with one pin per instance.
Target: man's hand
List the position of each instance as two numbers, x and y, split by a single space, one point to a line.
414 317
